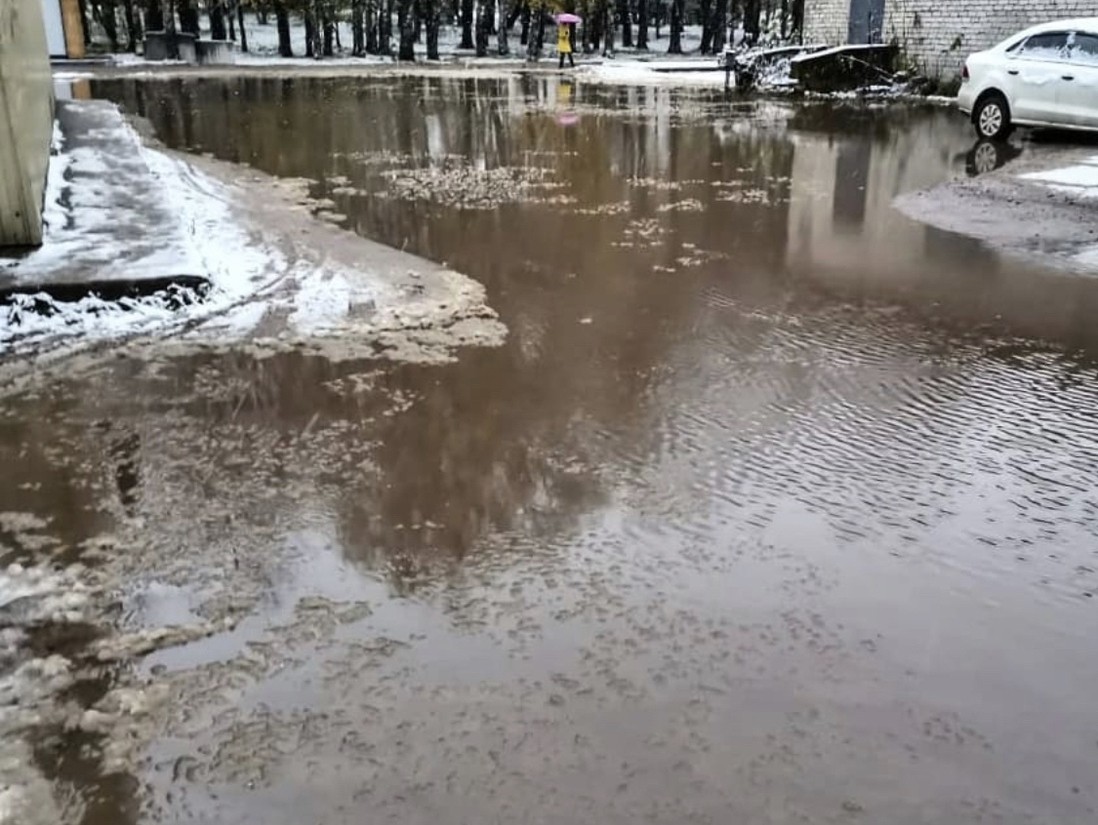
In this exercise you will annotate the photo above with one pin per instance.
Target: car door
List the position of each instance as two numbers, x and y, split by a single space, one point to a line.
1079 81
1036 69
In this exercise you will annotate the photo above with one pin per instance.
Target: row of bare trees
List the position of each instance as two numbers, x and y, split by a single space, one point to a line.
373 31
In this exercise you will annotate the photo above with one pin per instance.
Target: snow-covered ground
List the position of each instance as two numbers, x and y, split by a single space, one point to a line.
635 72
277 274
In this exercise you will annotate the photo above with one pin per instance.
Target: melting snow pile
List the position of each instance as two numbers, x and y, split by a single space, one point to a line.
275 273
88 220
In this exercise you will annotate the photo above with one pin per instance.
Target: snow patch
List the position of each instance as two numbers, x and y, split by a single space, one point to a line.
632 72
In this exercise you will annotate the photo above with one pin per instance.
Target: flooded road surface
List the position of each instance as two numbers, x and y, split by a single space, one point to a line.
774 507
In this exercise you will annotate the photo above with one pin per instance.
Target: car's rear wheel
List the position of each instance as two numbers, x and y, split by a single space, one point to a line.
992 117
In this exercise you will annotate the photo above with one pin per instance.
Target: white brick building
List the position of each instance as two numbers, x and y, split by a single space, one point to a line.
935 35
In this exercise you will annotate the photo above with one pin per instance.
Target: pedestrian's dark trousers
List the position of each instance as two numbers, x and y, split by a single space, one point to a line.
571 60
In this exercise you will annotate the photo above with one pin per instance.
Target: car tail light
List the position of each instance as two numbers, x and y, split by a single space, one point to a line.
964 74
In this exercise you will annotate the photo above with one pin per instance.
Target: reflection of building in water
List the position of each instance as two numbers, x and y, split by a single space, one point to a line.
846 237
841 216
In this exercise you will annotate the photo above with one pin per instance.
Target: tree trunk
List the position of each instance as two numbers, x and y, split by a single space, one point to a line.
240 22
626 24
594 30
502 47
282 21
329 37
371 27
798 19
466 24
217 20
417 21
133 25
188 17
261 14
483 28
608 16
154 15
515 13
84 21
310 33
706 9
720 25
537 34
358 43
167 21
385 33
751 13
524 35
407 50
431 8
104 11
642 25
675 44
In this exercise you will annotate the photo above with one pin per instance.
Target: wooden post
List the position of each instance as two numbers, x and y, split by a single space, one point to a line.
74 28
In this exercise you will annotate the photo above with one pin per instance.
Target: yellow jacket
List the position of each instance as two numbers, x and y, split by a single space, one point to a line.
564 39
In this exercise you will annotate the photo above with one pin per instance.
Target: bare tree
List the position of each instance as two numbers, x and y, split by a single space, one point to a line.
188 17
358 41
385 27
483 26
372 46
154 15
642 24
537 31
752 11
719 25
216 11
467 24
431 9
624 15
282 22
505 24
706 7
310 31
405 13
240 22
675 44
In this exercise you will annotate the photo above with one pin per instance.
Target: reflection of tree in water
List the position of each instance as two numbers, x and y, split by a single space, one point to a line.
496 443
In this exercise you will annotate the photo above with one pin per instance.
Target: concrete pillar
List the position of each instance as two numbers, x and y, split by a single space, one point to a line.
26 121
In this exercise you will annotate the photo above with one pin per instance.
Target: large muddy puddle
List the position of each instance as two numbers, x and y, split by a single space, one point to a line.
774 506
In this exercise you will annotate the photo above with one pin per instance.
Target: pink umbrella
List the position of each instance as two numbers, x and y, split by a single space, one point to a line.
563 19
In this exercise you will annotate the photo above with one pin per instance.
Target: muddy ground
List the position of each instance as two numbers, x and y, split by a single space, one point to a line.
1011 200
773 505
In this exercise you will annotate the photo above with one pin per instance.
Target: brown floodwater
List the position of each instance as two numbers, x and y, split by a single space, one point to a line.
774 506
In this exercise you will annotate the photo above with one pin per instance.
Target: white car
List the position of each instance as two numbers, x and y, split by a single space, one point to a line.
1043 76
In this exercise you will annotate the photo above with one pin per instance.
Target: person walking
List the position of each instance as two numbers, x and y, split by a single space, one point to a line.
564 44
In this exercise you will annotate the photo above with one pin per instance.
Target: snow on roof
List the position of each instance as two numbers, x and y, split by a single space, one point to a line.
854 47
1089 24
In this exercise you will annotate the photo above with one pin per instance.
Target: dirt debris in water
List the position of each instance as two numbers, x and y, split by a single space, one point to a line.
798 533
463 186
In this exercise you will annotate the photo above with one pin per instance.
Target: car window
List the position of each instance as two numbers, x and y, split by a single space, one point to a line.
1085 48
1045 46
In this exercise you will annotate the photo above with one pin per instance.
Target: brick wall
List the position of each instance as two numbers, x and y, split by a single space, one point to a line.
826 21
937 34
